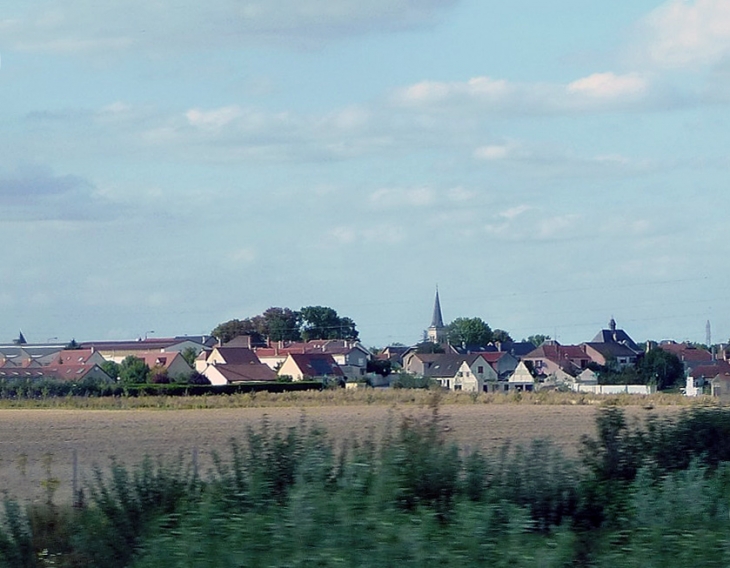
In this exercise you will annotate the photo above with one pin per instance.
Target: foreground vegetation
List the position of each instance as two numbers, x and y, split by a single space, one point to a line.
650 495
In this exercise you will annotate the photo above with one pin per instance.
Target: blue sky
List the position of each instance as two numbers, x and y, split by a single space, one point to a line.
169 165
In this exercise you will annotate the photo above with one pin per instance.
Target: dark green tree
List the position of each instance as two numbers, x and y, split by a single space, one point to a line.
281 324
537 339
380 367
111 368
320 322
133 371
429 347
190 354
662 368
235 327
469 331
501 335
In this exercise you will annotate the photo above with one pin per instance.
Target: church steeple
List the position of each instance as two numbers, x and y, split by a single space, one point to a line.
437 330
437 320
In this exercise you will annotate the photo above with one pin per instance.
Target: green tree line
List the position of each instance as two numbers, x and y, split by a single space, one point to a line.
284 324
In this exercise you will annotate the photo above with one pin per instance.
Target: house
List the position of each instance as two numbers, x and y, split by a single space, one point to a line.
503 363
303 366
690 355
454 373
68 372
228 365
426 364
351 356
552 357
27 355
393 353
232 374
702 375
615 335
720 385
521 379
173 363
117 351
73 357
226 356
608 353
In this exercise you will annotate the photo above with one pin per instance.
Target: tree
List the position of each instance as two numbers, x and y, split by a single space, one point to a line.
284 324
111 368
196 378
429 347
537 339
133 371
662 368
233 328
469 332
501 335
159 376
281 324
380 367
190 354
320 322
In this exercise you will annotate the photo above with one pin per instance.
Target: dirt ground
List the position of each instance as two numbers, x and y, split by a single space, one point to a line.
36 445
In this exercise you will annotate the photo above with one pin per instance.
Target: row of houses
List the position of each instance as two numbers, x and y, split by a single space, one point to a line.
235 362
497 367
524 366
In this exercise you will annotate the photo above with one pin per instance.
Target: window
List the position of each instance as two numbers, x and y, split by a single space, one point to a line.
480 369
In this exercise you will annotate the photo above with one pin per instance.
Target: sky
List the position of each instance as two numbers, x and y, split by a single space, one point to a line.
166 166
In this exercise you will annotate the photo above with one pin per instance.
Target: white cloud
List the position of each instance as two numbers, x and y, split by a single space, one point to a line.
382 233
683 33
400 197
609 85
598 92
245 255
460 194
426 92
561 162
514 212
343 235
557 226
492 152
213 118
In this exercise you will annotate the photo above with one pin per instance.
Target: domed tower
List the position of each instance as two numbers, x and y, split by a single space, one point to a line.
437 329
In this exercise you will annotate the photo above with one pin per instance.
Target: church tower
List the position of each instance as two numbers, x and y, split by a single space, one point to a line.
437 329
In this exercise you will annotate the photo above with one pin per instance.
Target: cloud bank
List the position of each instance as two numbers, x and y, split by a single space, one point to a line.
83 26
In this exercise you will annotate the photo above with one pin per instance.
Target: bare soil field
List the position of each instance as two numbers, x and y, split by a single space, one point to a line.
37 445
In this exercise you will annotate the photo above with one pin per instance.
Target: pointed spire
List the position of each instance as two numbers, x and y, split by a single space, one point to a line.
21 339
437 321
